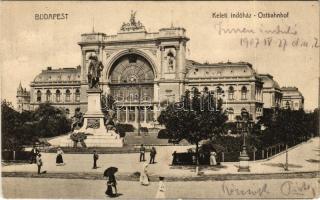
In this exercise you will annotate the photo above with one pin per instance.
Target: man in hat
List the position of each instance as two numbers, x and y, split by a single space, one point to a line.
142 153
95 158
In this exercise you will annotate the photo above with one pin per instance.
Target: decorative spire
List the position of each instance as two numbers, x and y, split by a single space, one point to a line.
172 19
92 24
20 87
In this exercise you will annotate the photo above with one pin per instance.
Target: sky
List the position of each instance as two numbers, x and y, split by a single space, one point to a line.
28 46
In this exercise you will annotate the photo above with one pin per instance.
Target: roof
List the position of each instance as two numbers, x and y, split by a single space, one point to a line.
290 91
60 74
268 81
228 69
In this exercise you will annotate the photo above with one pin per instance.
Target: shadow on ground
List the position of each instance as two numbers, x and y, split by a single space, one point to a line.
313 161
281 165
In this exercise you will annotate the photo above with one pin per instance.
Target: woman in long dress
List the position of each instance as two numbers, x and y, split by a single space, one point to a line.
59 159
112 186
213 158
161 189
144 179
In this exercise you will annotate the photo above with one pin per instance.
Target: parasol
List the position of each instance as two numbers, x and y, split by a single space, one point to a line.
110 171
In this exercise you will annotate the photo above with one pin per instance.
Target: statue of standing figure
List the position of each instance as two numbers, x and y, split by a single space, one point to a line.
94 71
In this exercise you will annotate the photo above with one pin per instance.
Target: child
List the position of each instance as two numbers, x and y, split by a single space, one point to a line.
161 189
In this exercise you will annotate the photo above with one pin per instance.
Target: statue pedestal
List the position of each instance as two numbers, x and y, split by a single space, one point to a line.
93 125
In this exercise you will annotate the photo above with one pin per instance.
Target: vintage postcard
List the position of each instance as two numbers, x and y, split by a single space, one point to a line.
169 99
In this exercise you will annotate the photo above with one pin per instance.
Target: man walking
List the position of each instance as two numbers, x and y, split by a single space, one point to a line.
39 162
153 153
142 152
95 158
34 152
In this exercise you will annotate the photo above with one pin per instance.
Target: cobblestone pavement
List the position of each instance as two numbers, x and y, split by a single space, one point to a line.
303 158
94 189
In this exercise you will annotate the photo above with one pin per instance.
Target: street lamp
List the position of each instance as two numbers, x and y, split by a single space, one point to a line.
133 79
244 124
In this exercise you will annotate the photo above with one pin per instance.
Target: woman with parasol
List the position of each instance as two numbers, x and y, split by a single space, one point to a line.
112 182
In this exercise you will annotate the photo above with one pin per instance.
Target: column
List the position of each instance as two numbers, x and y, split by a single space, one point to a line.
156 92
127 114
178 62
136 113
162 61
145 115
118 113
83 70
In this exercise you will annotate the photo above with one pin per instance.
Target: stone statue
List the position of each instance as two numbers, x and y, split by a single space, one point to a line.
94 72
77 120
132 25
133 18
170 62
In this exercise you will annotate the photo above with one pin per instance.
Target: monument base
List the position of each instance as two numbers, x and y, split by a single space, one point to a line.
93 125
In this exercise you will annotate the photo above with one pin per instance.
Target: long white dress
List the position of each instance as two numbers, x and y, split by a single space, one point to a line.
144 180
213 158
161 193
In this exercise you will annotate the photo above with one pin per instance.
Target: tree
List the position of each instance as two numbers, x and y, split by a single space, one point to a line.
285 126
51 121
197 117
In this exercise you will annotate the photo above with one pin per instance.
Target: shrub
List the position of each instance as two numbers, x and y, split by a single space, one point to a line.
144 129
123 128
163 134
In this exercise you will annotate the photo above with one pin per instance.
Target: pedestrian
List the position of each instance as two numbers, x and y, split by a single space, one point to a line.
59 159
39 162
161 189
113 181
95 158
174 158
144 178
153 153
109 190
213 160
34 152
142 152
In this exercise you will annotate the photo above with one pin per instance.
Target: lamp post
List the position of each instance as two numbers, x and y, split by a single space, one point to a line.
139 101
133 79
243 125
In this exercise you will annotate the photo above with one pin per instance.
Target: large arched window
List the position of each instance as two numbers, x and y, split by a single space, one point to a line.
129 73
244 92
77 95
48 96
68 94
39 96
231 93
58 95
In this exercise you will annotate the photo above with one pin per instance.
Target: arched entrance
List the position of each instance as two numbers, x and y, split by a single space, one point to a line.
131 83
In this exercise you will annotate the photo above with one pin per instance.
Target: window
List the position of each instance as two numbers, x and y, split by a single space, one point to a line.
170 62
68 94
38 96
230 114
67 113
219 91
231 93
244 92
77 95
48 95
58 94
287 105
